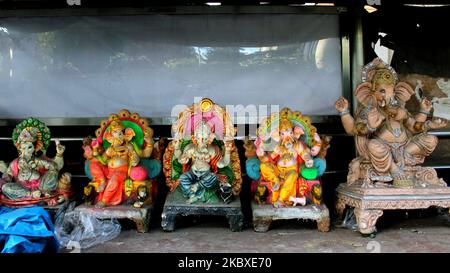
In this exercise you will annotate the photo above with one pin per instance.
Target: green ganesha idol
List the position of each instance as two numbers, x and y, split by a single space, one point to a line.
201 163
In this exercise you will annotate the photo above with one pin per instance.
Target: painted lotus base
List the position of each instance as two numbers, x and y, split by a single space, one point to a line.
27 202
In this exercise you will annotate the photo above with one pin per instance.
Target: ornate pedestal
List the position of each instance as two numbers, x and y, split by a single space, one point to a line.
141 216
369 203
263 215
176 205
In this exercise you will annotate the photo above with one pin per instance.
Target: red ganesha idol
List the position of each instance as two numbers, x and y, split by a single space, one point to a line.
119 164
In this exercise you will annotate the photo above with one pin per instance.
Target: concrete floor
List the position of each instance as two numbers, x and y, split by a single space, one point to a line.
203 234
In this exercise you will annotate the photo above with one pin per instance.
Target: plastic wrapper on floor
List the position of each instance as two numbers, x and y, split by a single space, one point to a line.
79 230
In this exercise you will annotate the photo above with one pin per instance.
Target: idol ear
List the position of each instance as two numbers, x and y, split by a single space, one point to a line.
108 136
403 91
298 132
275 135
364 94
129 134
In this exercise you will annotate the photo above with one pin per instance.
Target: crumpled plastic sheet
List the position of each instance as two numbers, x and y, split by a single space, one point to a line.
350 220
78 230
27 230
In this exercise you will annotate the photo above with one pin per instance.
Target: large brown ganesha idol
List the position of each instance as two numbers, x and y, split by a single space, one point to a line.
391 142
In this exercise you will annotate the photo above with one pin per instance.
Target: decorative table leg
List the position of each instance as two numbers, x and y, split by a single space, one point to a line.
236 221
367 220
323 224
340 207
168 221
261 224
141 225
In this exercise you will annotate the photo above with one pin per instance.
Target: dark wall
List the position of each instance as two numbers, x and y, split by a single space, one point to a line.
419 38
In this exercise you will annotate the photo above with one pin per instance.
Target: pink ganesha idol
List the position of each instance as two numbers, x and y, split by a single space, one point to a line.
33 178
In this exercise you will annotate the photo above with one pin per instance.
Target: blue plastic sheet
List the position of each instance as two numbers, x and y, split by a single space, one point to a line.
27 230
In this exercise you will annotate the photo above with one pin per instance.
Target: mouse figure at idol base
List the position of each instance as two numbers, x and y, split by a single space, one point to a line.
33 178
286 166
392 143
202 166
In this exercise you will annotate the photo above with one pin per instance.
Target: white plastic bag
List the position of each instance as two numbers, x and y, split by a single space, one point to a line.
350 220
80 230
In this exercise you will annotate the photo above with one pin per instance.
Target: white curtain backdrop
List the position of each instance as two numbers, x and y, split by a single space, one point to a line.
94 66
